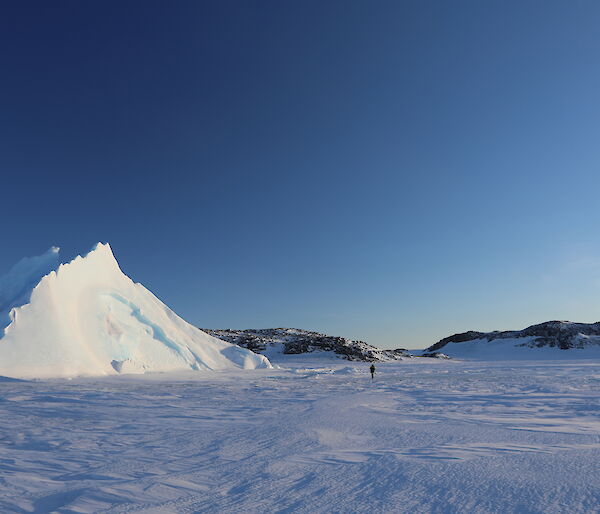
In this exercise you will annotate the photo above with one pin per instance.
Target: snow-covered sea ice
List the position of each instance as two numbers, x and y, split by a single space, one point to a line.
424 436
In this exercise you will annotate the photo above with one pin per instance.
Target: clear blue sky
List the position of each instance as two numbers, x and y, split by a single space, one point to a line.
387 171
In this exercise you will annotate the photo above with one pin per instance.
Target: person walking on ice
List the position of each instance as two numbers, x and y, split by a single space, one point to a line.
372 369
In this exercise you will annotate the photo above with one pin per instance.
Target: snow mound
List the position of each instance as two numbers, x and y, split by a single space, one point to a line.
87 318
348 370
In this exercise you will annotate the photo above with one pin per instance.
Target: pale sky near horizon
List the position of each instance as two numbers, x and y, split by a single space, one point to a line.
387 171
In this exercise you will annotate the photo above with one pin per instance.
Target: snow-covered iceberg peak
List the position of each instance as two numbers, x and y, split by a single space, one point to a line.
87 317
17 284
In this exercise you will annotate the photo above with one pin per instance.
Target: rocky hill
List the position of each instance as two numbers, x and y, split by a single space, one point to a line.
558 334
295 341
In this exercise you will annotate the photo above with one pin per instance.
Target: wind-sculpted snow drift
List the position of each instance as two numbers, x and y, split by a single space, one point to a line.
88 318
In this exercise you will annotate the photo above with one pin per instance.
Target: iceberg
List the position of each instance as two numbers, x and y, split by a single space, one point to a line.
87 318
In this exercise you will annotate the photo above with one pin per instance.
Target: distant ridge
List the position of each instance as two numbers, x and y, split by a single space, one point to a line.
564 335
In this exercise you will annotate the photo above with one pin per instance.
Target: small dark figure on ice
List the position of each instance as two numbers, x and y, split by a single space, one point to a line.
372 368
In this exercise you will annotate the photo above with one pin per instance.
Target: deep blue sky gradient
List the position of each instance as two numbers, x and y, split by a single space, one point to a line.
387 171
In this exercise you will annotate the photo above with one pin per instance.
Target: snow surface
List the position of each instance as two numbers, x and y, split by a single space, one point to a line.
316 437
87 318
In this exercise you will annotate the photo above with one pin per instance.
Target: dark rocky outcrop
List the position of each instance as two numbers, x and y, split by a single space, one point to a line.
435 355
296 341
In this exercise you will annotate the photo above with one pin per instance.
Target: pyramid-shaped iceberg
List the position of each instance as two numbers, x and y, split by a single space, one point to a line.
87 318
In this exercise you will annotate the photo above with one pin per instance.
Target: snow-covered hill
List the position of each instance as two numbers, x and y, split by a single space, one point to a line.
545 339
274 341
88 318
